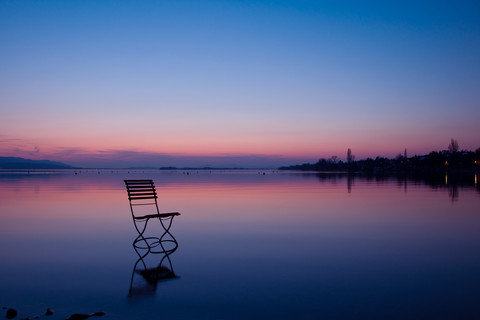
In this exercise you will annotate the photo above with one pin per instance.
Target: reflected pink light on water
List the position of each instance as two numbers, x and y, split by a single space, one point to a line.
238 200
242 235
62 203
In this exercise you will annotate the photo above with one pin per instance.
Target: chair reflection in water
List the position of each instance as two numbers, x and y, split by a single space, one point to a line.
162 271
142 196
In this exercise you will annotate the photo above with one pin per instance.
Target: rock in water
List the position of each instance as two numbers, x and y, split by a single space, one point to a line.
49 312
78 316
11 313
98 314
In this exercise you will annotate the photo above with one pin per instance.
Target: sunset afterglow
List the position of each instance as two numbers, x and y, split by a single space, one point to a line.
239 84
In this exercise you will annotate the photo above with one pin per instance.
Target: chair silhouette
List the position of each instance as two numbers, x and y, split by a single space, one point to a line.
142 196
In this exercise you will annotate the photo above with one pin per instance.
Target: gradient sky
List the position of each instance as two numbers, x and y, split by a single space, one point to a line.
114 83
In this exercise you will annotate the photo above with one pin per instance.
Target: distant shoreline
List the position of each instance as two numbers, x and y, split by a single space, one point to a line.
367 172
443 161
136 170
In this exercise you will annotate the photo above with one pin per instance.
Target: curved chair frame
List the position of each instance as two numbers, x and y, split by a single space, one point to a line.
143 193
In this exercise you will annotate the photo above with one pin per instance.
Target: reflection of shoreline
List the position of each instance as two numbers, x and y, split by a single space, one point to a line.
437 179
446 180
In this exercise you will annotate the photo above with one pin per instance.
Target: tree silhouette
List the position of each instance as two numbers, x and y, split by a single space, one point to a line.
453 146
435 161
350 156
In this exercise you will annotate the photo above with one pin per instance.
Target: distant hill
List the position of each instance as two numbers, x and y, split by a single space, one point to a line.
21 163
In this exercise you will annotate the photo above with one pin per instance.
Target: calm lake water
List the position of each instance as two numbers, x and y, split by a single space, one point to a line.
277 245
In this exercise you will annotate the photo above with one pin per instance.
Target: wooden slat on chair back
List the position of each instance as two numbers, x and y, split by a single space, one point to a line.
140 189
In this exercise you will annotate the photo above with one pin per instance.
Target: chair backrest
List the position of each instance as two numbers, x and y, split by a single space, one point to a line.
140 190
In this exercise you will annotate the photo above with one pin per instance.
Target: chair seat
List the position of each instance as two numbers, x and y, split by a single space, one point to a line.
159 215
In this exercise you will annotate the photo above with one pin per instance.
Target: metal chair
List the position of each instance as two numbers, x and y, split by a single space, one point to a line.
142 196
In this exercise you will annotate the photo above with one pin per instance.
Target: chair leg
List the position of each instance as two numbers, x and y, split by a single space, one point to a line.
140 236
167 256
169 237
150 242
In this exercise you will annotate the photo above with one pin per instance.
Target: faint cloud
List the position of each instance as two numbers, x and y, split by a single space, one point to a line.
7 140
17 147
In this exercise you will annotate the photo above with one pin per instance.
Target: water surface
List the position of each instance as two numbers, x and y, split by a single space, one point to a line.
256 245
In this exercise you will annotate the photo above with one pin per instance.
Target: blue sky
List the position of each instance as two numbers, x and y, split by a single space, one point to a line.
295 80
